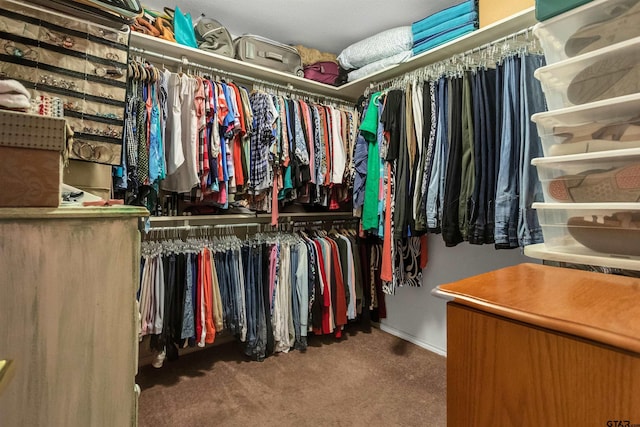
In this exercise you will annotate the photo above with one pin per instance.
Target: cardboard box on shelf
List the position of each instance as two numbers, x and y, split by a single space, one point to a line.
490 11
31 154
91 177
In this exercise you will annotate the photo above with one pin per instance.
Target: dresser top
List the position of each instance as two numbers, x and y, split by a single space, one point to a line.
12 214
600 307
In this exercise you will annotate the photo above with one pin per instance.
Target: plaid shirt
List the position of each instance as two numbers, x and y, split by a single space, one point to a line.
261 139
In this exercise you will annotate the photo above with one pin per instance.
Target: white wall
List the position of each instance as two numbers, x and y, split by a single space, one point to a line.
419 317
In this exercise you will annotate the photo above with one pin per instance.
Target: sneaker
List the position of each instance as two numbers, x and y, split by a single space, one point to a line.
622 23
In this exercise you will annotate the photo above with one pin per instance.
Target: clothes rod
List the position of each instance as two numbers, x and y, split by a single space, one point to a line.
184 61
242 219
421 71
525 31
202 227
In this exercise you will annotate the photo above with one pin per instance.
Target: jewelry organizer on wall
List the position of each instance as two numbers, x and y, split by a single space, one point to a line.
74 69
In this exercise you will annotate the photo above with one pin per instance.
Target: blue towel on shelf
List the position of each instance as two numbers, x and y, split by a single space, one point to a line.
444 16
443 38
467 18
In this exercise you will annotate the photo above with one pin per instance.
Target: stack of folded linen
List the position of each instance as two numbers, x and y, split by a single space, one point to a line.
444 26
14 96
377 52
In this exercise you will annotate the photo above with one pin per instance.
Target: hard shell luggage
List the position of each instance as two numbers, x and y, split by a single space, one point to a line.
268 53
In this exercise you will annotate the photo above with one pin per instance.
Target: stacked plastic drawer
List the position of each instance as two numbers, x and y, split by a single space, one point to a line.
591 134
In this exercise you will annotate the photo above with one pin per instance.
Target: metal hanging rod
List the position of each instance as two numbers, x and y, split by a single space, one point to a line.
426 70
241 219
184 61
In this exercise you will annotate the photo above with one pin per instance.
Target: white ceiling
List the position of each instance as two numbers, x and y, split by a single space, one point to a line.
328 25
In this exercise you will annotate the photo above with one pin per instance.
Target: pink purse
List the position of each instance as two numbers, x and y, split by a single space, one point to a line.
323 72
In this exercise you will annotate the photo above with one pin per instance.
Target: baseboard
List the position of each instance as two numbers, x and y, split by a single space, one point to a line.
412 339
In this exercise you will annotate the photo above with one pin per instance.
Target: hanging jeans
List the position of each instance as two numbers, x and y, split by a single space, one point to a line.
249 297
506 214
532 101
485 149
439 163
295 296
450 228
256 327
468 170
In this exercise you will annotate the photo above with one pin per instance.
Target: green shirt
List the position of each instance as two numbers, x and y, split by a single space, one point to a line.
369 129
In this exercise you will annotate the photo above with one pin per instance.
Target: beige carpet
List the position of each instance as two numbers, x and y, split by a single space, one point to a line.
364 379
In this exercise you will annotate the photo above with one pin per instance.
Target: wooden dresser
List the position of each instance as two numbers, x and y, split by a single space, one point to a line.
68 279
535 345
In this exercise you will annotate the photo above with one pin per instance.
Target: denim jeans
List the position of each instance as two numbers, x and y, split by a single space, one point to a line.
485 150
532 101
234 288
226 293
302 284
506 214
450 229
256 326
438 166
295 298
249 297
430 110
188 322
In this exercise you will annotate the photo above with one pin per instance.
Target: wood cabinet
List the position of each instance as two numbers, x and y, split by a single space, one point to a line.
67 315
534 345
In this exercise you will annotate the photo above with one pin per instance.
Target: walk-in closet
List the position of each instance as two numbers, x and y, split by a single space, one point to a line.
295 213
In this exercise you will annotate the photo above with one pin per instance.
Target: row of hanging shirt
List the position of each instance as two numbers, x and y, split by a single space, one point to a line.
186 132
269 291
451 155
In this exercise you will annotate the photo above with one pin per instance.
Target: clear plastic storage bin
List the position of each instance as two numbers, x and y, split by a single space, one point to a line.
606 73
612 124
589 27
608 176
609 229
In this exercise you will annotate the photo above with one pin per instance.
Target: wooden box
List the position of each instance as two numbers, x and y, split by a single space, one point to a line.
490 11
91 177
31 155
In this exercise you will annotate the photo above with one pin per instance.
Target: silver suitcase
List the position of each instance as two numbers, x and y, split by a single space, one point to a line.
269 54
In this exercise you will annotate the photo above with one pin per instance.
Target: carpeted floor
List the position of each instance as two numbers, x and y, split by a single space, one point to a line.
364 379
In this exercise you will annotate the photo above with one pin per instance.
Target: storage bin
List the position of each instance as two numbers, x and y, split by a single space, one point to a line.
611 229
32 149
546 9
90 177
608 176
612 124
602 74
589 27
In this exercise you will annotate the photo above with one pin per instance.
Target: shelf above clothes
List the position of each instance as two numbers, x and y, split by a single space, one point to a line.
143 44
157 49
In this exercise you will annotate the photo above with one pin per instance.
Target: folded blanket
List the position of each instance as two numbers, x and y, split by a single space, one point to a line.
382 45
14 101
379 65
13 86
444 15
443 38
467 18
